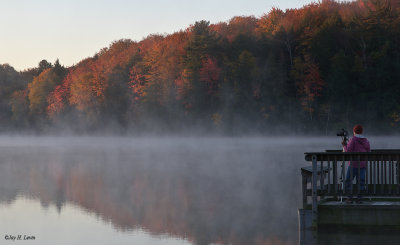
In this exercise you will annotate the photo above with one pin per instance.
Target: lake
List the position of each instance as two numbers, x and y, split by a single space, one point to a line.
121 190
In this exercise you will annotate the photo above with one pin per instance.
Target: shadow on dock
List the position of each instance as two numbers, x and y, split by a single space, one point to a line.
355 235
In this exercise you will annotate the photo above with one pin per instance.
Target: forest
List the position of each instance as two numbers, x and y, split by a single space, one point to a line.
313 70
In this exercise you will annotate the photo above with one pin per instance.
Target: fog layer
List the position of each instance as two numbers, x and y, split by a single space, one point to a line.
207 190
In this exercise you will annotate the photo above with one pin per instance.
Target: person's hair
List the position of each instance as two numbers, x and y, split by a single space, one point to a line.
358 129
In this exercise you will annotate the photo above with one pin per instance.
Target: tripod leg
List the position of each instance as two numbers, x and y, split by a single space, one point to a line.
342 180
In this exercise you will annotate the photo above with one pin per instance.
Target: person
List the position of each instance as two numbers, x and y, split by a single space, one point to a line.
356 169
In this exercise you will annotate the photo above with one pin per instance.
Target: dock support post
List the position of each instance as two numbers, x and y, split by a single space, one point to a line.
307 235
304 178
314 190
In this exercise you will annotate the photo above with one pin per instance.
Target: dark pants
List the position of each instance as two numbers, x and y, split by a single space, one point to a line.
351 171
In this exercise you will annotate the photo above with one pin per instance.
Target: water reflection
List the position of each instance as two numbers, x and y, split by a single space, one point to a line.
237 191
202 191
26 217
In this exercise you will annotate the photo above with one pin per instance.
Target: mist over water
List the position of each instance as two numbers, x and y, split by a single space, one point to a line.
166 190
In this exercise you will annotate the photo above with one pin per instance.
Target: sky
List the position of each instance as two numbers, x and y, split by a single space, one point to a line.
71 30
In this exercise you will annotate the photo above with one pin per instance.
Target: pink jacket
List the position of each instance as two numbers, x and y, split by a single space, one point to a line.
357 144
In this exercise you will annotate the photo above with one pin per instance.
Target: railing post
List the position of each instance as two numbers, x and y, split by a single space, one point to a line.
375 176
343 178
304 188
369 173
359 177
351 176
366 192
329 176
398 174
314 190
335 177
378 176
390 174
321 181
383 173
385 183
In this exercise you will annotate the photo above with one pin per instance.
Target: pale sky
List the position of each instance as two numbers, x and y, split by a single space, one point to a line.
71 30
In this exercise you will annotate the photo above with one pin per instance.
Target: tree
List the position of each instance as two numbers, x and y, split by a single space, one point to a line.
19 102
299 65
29 74
57 100
269 23
10 82
202 44
44 65
310 84
210 74
39 89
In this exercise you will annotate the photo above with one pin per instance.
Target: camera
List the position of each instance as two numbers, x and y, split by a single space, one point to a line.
343 133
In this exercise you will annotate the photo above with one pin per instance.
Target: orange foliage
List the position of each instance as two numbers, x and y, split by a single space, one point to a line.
163 68
239 25
159 68
137 82
271 21
40 88
82 86
146 44
242 25
220 29
89 80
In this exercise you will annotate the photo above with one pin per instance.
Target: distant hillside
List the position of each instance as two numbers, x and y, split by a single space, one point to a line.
316 69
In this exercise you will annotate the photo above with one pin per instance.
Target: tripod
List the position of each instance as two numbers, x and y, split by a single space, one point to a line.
342 180
343 134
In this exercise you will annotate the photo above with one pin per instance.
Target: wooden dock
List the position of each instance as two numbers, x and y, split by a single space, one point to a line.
324 192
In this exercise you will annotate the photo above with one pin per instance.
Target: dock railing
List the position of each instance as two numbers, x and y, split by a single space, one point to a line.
326 177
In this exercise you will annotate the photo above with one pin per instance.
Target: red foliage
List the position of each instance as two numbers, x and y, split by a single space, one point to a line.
58 99
310 87
210 74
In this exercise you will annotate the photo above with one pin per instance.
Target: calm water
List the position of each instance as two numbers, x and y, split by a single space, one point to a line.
114 190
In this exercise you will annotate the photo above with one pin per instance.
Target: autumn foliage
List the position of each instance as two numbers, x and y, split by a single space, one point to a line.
323 66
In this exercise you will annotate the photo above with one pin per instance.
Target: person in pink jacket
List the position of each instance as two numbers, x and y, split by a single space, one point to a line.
358 143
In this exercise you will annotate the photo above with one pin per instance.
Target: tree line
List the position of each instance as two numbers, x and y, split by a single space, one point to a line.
316 69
